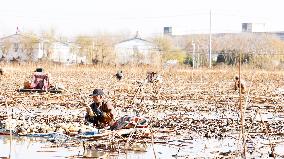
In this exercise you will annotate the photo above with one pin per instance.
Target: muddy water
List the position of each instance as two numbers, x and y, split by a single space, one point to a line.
258 147
25 147
177 147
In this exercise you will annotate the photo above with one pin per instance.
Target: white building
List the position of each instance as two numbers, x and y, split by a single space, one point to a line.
22 47
137 51
26 47
66 53
253 27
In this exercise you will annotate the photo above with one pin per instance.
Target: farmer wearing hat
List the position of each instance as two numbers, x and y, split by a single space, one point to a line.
100 112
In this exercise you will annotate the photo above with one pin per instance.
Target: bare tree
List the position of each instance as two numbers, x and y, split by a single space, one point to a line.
104 48
29 42
49 37
86 47
6 46
168 50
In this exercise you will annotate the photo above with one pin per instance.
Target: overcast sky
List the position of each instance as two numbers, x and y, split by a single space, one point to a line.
73 17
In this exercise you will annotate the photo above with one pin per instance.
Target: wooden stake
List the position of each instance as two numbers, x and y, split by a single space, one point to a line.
242 111
9 119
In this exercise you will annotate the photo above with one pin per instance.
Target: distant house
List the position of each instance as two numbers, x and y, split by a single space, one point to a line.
136 51
66 53
21 47
26 47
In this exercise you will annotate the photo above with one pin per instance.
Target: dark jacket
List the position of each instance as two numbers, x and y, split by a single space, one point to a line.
103 114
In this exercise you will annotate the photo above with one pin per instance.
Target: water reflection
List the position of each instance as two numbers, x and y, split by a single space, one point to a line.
96 154
28 147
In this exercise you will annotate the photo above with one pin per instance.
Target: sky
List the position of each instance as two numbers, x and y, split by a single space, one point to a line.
148 17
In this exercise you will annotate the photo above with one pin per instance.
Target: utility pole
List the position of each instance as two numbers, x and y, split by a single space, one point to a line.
198 57
92 51
242 111
102 52
210 38
193 55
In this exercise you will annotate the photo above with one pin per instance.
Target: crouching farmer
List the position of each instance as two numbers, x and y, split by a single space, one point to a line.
100 112
40 80
239 83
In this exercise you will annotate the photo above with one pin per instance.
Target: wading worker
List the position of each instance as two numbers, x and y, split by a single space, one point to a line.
240 83
100 112
40 80
119 75
1 71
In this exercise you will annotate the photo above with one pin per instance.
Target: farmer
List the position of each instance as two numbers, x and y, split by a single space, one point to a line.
1 71
40 79
119 75
100 112
153 77
240 83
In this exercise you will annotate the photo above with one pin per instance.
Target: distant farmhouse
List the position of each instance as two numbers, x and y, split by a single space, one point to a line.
136 50
21 47
66 53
